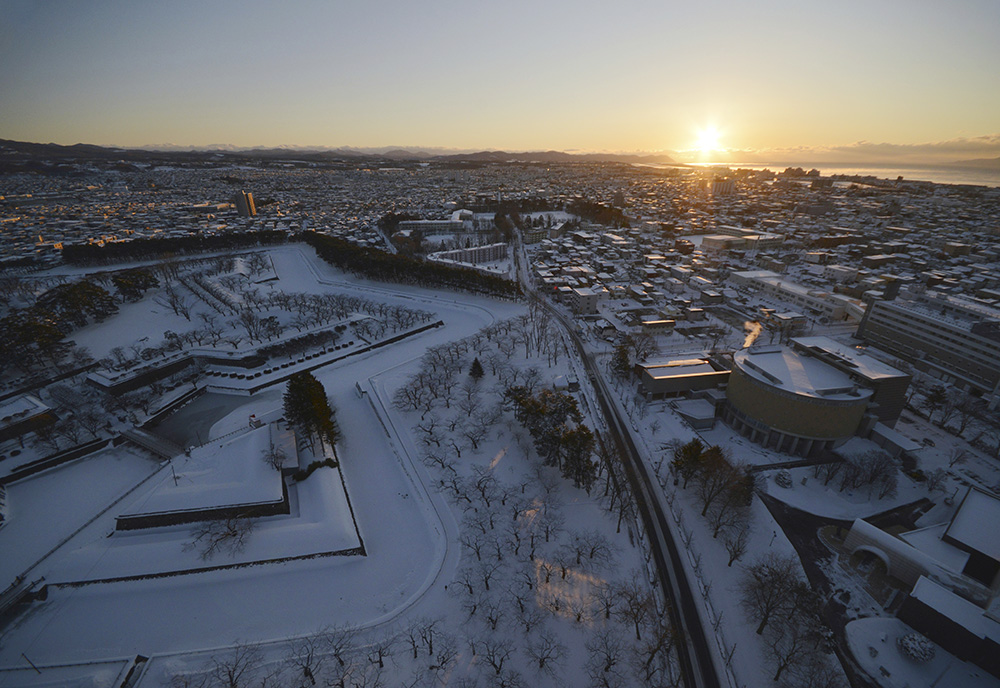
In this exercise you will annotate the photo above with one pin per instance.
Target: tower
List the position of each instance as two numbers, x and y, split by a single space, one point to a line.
244 204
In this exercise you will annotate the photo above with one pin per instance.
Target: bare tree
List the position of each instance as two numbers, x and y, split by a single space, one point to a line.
653 660
789 643
307 655
382 649
956 456
546 653
238 667
174 300
274 457
605 658
223 536
935 479
636 604
495 651
736 540
728 511
606 596
766 587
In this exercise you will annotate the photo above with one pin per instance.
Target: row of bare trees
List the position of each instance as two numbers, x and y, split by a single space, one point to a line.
526 569
774 595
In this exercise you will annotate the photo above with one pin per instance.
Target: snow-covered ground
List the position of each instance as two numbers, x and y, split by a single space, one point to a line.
873 643
410 532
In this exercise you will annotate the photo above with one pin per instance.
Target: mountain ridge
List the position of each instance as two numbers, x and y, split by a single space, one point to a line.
311 152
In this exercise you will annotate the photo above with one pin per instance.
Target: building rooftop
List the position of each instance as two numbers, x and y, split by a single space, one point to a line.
974 523
855 359
783 367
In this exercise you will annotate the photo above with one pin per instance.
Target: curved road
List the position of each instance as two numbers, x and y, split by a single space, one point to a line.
695 657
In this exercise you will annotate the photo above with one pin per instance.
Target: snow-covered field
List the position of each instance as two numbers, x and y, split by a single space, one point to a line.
415 567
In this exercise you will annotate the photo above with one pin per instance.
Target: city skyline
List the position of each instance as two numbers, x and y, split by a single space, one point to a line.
854 82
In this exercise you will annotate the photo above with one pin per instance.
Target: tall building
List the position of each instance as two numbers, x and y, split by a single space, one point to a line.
244 204
951 338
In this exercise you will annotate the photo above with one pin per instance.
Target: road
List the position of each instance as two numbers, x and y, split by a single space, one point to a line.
694 655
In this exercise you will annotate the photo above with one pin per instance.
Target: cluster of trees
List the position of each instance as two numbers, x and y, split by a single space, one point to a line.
724 487
630 349
556 427
957 412
786 609
308 410
599 213
132 284
525 568
144 249
33 336
379 265
873 469
306 342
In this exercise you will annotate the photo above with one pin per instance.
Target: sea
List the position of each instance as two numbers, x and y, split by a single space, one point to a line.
950 174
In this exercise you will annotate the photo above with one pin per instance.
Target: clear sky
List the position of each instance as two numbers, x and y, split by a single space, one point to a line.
922 76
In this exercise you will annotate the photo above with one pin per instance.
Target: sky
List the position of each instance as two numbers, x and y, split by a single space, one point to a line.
913 80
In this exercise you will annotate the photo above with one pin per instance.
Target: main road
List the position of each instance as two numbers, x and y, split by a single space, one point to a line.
694 655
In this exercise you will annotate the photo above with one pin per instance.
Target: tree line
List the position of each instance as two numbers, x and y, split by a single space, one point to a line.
374 264
144 249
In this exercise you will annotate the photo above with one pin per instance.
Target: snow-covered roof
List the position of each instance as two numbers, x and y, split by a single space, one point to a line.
20 407
215 476
961 611
928 540
897 438
858 361
974 524
782 367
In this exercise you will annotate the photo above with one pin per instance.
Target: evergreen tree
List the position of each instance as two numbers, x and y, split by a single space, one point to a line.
132 284
621 365
688 459
308 409
577 446
476 371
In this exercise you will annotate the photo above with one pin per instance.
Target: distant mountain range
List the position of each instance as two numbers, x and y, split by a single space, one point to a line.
82 150
983 163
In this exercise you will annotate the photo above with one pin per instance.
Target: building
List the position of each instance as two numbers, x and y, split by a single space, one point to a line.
679 377
583 301
244 204
950 338
793 401
21 414
888 384
952 572
815 301
432 227
490 253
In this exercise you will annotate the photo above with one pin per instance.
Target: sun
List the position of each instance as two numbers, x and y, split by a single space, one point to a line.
708 140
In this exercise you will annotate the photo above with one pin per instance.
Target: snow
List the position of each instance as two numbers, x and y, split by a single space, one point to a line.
231 473
867 366
828 501
48 507
892 670
133 322
928 540
959 610
803 375
967 528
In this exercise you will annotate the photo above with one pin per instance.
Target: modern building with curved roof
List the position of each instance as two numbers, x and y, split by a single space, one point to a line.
793 402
